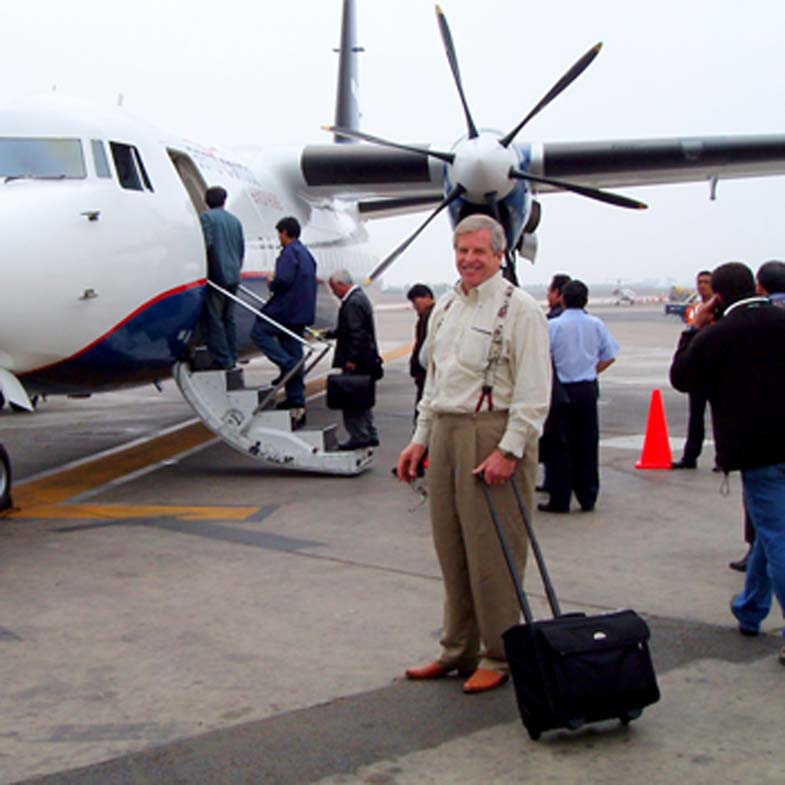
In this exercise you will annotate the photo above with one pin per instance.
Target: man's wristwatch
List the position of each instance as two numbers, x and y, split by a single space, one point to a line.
510 456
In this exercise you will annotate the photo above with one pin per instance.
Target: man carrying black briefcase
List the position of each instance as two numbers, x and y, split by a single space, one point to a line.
356 354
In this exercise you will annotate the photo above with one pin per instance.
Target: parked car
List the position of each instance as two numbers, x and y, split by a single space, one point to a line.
684 308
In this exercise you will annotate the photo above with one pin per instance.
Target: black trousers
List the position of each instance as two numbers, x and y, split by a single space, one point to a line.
574 447
696 429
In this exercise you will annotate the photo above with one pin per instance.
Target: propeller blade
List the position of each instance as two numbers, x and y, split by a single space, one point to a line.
508 272
456 193
493 205
584 190
351 134
452 58
572 74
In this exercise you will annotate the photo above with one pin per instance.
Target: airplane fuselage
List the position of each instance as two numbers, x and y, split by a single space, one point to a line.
103 261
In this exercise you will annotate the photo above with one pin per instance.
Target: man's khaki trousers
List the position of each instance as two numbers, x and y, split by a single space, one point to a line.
480 601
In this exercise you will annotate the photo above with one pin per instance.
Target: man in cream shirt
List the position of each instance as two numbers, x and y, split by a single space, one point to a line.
486 397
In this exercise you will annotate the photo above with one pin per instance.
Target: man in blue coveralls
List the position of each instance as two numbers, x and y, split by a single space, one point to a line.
292 306
223 237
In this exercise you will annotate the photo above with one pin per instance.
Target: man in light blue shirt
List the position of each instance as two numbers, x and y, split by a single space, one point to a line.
581 347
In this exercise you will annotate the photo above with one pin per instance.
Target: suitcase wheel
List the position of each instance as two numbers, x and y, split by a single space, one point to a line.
534 733
630 715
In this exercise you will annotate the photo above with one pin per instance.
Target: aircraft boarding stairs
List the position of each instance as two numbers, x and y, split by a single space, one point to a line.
246 419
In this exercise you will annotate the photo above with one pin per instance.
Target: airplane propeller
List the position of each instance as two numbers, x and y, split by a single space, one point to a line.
483 166
578 67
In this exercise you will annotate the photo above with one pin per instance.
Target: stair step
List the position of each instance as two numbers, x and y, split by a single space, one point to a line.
229 409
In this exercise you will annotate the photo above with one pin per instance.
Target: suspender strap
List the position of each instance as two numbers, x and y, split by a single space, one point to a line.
495 352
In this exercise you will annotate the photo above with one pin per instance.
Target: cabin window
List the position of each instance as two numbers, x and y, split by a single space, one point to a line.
99 157
129 166
56 159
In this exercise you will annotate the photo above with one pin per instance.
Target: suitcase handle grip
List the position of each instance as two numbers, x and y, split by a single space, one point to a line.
538 557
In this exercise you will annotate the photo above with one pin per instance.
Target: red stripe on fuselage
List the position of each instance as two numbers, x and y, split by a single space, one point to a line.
163 296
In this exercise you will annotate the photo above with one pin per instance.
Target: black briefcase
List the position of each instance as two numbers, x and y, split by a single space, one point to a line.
574 668
350 391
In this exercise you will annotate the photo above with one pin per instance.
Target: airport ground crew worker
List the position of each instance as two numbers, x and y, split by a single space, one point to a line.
696 429
582 348
293 306
486 396
223 237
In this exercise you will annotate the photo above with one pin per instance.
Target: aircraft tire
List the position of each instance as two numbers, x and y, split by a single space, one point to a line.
5 480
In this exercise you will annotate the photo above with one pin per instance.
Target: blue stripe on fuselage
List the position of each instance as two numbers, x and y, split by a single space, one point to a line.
144 347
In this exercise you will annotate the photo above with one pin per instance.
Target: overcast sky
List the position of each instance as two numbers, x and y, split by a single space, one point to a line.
263 72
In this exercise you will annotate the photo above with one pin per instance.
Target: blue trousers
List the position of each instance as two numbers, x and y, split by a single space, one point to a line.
220 327
285 352
764 493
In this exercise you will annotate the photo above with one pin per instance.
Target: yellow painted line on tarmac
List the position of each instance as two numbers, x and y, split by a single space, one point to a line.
47 497
61 486
119 512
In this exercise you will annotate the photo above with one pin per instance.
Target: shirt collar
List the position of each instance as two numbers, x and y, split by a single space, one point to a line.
746 301
346 296
485 290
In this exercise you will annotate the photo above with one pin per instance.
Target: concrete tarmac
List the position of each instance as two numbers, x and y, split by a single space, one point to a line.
175 613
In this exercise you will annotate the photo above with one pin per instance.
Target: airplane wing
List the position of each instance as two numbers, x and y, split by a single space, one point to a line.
658 161
360 170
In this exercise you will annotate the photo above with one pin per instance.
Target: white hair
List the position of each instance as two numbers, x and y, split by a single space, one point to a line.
342 276
476 223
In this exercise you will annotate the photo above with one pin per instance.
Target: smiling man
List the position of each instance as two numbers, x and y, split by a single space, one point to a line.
486 396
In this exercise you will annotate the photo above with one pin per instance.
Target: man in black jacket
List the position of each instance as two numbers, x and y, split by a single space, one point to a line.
739 362
421 298
355 353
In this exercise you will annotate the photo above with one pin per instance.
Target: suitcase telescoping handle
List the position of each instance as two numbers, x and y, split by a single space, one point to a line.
538 557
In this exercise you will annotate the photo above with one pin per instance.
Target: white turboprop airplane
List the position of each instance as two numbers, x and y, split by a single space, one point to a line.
104 209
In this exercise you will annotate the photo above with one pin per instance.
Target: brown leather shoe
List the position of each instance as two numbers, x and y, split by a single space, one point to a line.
433 670
483 680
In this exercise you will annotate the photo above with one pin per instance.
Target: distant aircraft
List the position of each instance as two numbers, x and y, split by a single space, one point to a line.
623 295
101 253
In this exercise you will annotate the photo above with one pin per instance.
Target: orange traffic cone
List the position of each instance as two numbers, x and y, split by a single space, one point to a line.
656 446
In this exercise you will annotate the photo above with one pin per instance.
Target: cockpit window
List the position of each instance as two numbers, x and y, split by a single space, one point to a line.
44 158
99 157
129 166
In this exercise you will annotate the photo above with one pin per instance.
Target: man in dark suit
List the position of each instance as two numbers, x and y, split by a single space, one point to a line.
355 352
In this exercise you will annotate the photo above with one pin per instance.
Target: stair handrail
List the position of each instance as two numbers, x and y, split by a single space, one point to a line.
315 334
309 350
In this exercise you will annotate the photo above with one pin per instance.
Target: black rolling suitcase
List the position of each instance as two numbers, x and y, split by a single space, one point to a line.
574 668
